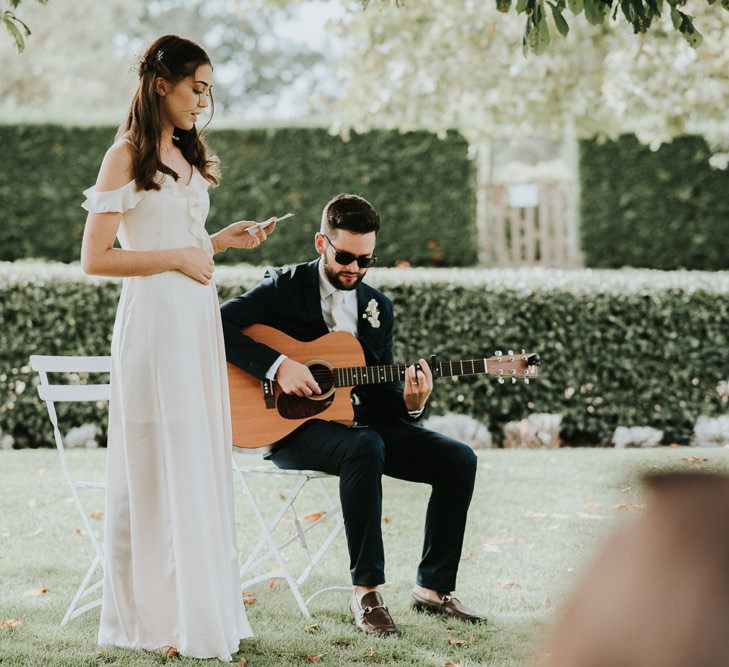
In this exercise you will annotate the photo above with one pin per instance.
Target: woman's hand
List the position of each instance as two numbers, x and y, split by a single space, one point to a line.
196 263
238 236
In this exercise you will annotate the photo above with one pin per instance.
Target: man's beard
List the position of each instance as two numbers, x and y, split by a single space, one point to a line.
334 279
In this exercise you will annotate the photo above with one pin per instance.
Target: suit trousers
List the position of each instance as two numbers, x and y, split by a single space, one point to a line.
398 448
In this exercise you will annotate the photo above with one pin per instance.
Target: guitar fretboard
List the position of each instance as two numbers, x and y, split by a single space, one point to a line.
349 377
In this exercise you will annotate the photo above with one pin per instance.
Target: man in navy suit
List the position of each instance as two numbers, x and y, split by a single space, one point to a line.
307 301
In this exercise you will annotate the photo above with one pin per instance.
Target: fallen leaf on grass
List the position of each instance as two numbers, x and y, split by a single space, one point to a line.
314 516
629 507
547 601
272 585
369 652
386 519
693 459
504 540
247 592
35 592
249 599
312 628
451 664
79 531
96 514
35 533
456 641
281 495
242 661
10 623
315 658
509 584
101 653
465 559
472 640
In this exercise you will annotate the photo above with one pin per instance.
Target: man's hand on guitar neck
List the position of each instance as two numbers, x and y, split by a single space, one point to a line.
418 385
296 378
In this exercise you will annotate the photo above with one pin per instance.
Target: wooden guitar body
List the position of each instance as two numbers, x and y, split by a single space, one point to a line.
262 414
258 422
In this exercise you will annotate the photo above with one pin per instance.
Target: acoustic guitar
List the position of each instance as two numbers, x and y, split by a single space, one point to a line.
262 414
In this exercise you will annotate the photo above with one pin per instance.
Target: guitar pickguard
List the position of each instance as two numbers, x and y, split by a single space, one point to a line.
296 407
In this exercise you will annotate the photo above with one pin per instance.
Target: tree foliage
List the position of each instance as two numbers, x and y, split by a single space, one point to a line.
17 28
437 65
640 14
82 54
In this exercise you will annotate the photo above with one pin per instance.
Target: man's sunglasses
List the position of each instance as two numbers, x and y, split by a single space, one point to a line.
345 258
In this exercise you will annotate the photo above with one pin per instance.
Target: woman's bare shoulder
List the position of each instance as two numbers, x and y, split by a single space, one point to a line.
116 168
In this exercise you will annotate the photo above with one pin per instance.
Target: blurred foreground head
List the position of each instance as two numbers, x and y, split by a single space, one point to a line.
658 593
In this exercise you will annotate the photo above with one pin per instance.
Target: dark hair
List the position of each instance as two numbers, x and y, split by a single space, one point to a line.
351 213
173 58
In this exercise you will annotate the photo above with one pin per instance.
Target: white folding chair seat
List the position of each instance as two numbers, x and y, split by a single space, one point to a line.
52 393
270 547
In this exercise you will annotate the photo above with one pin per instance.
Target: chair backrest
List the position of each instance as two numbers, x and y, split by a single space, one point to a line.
51 393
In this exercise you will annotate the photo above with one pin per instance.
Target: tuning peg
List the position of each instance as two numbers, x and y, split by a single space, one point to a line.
511 352
523 351
501 380
526 380
513 380
498 353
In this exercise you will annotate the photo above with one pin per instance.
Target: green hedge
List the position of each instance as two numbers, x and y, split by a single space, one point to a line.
423 187
665 210
620 347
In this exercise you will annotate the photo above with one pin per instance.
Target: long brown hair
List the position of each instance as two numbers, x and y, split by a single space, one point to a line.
173 58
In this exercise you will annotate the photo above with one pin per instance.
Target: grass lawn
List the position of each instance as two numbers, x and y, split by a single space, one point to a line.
536 519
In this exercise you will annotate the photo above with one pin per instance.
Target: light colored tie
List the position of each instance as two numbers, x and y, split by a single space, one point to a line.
339 314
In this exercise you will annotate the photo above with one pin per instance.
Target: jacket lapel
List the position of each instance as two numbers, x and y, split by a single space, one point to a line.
312 298
368 336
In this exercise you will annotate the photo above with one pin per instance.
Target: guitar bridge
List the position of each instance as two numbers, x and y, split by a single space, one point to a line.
269 397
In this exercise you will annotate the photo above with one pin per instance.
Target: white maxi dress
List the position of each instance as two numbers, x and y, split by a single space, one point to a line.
171 573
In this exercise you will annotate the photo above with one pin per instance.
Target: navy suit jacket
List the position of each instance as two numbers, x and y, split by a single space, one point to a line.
288 299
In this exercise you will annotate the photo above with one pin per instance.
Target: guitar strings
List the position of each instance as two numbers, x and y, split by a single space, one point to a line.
399 369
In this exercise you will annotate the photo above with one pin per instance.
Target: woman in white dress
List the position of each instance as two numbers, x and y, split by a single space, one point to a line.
170 560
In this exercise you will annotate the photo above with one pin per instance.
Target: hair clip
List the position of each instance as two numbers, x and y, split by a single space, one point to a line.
138 62
158 55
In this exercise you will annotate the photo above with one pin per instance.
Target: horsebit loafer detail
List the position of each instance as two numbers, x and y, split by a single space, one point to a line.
448 606
371 615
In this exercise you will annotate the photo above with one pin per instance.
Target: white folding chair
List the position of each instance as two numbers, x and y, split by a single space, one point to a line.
52 393
270 547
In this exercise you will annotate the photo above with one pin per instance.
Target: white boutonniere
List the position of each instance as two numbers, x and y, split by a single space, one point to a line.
372 314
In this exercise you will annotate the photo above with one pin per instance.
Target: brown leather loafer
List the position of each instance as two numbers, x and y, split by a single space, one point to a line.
448 606
372 614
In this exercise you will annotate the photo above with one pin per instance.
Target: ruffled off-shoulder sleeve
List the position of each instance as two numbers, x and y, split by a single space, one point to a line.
113 201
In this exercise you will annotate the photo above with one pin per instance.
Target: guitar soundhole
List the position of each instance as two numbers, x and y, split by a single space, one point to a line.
295 407
324 377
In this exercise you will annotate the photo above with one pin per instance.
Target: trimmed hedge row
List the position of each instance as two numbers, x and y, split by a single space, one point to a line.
665 210
416 181
620 347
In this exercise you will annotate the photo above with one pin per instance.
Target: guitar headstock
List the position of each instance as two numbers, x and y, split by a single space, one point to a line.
513 365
